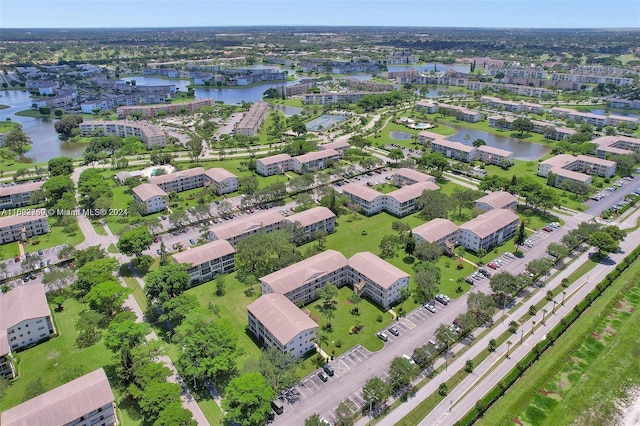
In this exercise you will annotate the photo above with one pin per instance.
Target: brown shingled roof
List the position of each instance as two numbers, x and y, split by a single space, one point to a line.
281 317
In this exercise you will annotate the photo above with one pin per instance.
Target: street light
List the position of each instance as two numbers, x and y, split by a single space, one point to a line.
553 311
521 335
564 293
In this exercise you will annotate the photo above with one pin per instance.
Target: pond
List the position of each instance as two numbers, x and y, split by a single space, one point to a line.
400 136
622 113
523 150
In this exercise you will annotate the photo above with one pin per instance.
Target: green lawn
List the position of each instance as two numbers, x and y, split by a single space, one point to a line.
30 113
56 236
134 286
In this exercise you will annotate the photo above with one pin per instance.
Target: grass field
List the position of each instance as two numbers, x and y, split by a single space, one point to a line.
582 377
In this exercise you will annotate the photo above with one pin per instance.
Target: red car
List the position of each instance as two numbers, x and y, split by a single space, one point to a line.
547 229
155 239
16 259
492 265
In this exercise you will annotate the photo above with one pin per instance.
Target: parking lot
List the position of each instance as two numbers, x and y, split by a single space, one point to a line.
46 257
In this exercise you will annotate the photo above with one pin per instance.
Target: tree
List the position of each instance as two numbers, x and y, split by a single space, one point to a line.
478 142
88 325
125 334
299 128
247 400
195 148
401 373
539 266
167 282
209 348
468 366
60 166
428 251
155 397
505 282
278 369
344 411
314 420
45 110
604 242
96 271
328 307
84 256
387 246
410 246
522 125
376 390
521 235
58 112
427 280
443 389
175 414
107 297
55 187
396 154
434 204
176 309
58 278
33 389
356 299
134 241
66 125
480 306
17 141
558 251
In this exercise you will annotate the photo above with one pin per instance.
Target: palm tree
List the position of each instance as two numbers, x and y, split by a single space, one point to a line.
321 337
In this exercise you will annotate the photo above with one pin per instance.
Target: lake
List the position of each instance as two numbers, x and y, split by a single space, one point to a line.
45 142
432 66
624 114
523 150
400 136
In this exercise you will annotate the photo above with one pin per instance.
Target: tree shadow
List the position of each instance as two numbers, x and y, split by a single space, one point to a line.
409 260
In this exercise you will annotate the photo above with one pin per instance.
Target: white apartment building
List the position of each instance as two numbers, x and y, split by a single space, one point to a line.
455 150
170 108
580 166
440 231
85 401
587 117
315 160
224 181
512 106
370 200
19 228
150 134
208 260
376 278
274 164
616 145
406 176
252 120
488 230
404 201
239 229
497 200
340 146
275 321
499 157
179 181
18 195
313 220
151 196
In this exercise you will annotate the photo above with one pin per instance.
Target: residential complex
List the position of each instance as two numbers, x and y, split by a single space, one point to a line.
594 119
313 220
578 169
549 130
85 401
488 230
405 176
616 145
275 321
25 319
341 146
401 202
464 114
151 197
18 195
223 180
208 260
179 181
169 108
456 150
252 119
315 160
511 105
496 156
151 135
19 228
332 98
274 164
497 200
241 228
440 231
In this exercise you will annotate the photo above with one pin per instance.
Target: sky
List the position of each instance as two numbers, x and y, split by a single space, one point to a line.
419 13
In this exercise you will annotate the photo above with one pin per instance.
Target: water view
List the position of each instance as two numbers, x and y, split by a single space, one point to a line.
624 114
523 150
432 66
400 136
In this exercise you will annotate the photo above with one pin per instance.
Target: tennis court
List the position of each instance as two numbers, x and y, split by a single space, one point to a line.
324 122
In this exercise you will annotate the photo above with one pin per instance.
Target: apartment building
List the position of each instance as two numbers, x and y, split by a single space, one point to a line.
340 146
499 157
370 200
18 195
620 103
425 138
406 176
179 181
151 197
223 180
497 200
592 79
171 109
488 230
150 134
615 120
85 401
19 228
549 130
314 220
25 316
430 107
241 228
454 150
581 163
275 321
616 145
376 278
315 160
252 120
404 201
274 164
332 98
461 113
208 260
586 117
440 231
512 106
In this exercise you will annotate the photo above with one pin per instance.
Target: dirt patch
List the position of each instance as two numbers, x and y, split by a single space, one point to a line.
518 421
609 331
596 335
348 302
625 306
551 394
563 383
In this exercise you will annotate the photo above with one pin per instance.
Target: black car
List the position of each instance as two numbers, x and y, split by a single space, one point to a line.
469 280
328 369
323 376
485 272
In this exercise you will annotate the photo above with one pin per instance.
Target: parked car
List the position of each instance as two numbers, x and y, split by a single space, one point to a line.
328 369
547 229
394 331
442 299
192 241
469 280
323 376
430 307
382 336
16 258
492 265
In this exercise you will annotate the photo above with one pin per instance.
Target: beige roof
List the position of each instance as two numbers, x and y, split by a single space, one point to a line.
498 200
316 155
146 191
63 404
311 216
218 174
281 317
4 343
489 222
294 276
335 145
610 140
377 270
36 215
361 191
273 159
435 229
413 175
159 180
495 151
570 174
19 189
453 145
596 160
411 192
560 160
22 303
204 253
237 227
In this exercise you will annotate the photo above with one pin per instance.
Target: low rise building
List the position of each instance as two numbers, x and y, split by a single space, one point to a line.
314 220
488 230
169 108
404 201
252 120
239 229
496 156
497 200
455 150
274 164
579 166
616 145
223 180
208 260
150 134
376 278
85 401
18 195
179 181
276 322
19 228
370 200
340 146
151 197
332 98
315 160
406 176
440 231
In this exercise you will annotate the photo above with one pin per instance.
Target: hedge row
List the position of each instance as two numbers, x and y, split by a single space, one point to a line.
497 391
